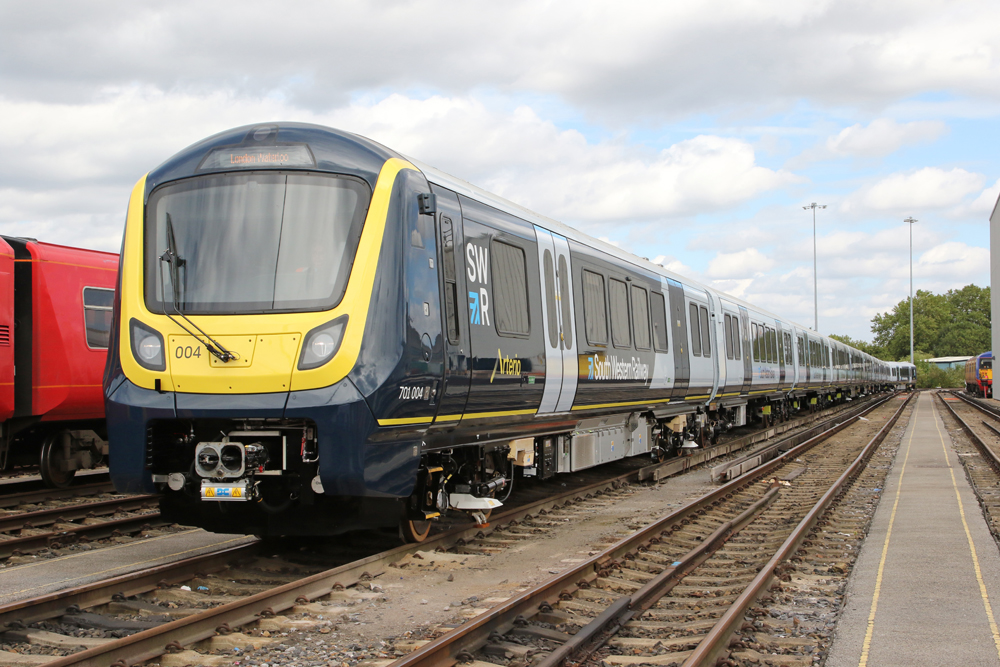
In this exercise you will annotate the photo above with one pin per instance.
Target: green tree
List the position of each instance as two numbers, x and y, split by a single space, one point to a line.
951 324
969 332
892 329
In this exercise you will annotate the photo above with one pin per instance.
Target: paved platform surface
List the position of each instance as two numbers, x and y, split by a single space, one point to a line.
54 574
926 585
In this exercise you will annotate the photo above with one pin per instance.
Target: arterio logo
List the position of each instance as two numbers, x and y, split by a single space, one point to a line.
611 367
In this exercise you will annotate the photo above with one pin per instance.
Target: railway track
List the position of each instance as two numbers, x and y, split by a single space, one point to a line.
978 445
260 596
675 591
21 486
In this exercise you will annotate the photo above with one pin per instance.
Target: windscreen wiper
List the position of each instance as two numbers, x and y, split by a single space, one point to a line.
176 263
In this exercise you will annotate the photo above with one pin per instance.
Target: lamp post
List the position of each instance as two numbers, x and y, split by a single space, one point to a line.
911 220
815 206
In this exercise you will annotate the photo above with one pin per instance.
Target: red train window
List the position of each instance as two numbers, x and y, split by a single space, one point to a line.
97 304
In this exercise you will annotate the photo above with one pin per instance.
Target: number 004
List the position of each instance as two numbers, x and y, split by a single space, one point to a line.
186 351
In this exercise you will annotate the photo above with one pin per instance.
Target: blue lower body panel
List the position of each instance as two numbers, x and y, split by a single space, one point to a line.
365 479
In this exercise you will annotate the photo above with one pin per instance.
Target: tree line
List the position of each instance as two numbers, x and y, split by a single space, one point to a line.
956 323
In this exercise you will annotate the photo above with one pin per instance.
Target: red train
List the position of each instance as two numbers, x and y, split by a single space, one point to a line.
55 320
979 375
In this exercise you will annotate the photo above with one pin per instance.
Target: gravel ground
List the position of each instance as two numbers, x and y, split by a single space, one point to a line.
432 592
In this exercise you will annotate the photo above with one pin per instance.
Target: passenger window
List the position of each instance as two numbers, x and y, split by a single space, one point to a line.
640 318
595 312
706 340
659 310
619 314
754 342
552 318
510 291
695 330
97 306
567 318
729 336
737 341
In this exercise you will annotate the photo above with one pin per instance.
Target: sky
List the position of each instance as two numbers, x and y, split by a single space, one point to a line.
689 133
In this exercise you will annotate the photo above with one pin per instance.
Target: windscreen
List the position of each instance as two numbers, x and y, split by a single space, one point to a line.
252 242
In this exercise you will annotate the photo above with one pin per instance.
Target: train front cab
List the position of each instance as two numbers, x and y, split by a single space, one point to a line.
242 395
979 375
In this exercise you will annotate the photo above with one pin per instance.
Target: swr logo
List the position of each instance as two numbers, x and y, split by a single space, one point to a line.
477 261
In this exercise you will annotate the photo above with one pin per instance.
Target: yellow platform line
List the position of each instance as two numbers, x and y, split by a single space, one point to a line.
972 546
866 645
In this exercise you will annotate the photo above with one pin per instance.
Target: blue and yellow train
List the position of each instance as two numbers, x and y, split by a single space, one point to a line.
313 333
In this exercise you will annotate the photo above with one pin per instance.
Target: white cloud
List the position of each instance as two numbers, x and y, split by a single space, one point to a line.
882 137
630 60
953 263
742 264
107 145
929 187
675 265
986 200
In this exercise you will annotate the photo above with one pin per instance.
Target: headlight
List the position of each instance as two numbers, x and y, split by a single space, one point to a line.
147 346
322 343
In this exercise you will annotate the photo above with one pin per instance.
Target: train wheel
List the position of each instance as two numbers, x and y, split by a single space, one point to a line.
50 465
414 531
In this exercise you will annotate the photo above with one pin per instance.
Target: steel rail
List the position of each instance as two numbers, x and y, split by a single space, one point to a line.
593 635
43 495
985 450
716 642
35 483
44 517
151 643
57 538
446 650
983 405
43 607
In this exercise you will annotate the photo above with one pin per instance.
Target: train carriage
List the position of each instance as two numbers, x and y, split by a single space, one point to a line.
979 375
55 322
315 333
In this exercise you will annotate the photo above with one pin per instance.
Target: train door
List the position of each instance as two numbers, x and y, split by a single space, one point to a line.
747 358
664 348
561 372
780 341
702 362
457 346
678 324
505 315
717 338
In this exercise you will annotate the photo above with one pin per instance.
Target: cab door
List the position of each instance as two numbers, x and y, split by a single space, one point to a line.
557 322
458 351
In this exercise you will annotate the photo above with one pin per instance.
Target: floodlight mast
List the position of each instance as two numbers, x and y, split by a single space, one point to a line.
911 220
815 206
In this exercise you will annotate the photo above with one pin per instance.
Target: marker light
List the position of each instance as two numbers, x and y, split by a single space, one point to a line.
147 346
322 343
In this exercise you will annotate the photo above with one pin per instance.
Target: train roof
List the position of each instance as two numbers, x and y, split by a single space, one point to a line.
329 150
337 151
